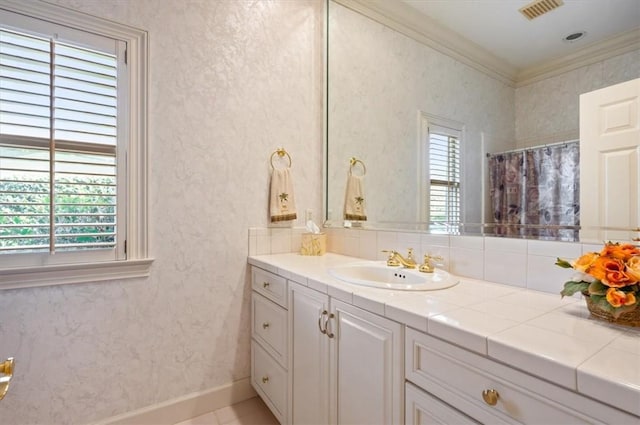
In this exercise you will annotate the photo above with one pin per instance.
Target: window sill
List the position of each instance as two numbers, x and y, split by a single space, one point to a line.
25 277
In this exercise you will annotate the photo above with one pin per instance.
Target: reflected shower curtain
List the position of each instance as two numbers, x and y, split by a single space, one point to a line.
536 193
506 180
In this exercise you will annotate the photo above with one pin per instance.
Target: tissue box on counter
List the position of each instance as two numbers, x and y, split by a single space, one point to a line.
313 244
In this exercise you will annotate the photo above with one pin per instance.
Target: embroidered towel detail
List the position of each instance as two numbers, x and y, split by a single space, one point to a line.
354 199
282 206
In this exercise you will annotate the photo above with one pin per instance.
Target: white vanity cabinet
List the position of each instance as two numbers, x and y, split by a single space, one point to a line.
346 363
309 366
318 360
269 348
452 381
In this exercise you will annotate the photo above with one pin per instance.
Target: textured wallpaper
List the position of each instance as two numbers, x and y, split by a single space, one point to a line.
378 81
229 82
548 110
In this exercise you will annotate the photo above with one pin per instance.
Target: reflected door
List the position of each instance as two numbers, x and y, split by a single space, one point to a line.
609 157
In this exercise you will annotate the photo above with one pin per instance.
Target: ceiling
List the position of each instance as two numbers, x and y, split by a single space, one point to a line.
498 26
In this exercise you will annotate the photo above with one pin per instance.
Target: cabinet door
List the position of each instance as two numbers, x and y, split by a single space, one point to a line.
367 367
309 359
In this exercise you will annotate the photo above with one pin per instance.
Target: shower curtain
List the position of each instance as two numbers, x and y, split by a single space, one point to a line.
536 192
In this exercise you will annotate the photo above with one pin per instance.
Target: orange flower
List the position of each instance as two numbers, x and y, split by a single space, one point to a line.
583 263
598 268
633 267
611 272
620 252
619 298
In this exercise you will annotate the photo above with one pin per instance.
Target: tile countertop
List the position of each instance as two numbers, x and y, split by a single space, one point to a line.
540 333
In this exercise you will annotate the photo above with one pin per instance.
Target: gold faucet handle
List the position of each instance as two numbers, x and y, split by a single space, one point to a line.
410 254
426 266
433 257
392 261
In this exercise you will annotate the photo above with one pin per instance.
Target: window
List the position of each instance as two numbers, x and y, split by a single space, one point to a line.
72 148
441 173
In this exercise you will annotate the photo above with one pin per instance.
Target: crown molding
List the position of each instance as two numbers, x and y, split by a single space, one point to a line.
406 20
593 53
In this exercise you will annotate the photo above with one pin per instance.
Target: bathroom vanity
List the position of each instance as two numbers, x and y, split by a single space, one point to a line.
328 352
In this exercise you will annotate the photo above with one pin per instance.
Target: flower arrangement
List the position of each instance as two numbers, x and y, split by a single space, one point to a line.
610 279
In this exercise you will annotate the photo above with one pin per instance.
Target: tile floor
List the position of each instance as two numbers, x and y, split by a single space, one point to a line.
248 412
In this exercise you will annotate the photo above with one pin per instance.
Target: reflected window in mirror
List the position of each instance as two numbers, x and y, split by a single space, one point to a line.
441 198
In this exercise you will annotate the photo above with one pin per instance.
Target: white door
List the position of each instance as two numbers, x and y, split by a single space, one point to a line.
309 359
609 156
367 368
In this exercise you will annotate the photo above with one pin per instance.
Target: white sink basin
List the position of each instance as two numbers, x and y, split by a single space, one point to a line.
379 275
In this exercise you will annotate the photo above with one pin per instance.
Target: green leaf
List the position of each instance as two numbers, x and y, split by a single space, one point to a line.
597 288
563 263
572 287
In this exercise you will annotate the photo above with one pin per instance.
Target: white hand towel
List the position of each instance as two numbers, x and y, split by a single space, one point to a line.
282 206
354 199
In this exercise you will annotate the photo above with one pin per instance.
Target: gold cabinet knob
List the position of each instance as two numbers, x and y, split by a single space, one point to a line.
265 284
6 368
265 379
265 325
490 397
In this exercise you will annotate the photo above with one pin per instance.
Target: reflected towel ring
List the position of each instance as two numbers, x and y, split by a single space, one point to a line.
281 153
353 162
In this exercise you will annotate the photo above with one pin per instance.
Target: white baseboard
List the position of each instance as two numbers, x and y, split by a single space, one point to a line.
186 407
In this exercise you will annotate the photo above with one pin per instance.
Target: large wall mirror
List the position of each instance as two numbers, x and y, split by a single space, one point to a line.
399 82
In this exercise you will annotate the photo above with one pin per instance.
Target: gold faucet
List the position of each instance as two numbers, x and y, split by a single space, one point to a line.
426 266
395 259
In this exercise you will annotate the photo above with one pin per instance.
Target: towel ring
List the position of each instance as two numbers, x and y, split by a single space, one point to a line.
353 162
281 153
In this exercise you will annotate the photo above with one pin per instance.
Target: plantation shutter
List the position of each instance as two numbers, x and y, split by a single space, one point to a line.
58 145
444 176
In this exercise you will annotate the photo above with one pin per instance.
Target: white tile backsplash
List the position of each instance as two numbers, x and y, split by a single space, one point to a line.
469 242
544 275
386 241
408 240
439 240
516 262
566 250
505 245
505 267
467 262
368 245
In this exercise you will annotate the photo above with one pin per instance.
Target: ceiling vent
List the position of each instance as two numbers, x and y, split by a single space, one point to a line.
539 8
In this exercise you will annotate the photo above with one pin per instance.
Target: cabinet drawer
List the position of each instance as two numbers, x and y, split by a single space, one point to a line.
269 326
459 377
422 408
269 379
270 285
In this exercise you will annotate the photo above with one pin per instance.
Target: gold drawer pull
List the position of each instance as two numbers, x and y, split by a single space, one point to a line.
6 368
265 325
490 397
265 285
265 379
